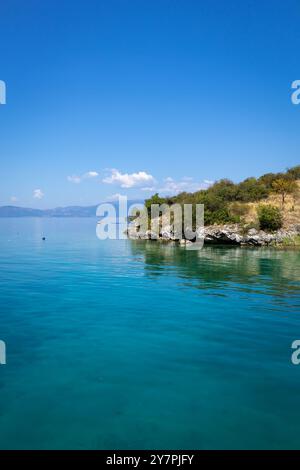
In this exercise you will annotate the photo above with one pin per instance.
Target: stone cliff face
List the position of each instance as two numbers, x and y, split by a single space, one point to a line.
220 234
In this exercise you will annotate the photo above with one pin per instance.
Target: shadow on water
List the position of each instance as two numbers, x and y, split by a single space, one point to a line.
265 270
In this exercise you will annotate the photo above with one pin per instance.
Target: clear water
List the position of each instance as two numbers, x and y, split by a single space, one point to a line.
120 344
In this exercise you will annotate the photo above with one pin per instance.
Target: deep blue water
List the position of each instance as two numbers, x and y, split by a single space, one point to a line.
120 344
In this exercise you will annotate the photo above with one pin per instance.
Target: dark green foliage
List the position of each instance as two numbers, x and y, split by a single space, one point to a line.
251 190
220 216
294 173
270 218
155 199
268 179
225 190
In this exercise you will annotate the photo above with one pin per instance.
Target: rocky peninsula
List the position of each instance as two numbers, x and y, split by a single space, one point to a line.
262 211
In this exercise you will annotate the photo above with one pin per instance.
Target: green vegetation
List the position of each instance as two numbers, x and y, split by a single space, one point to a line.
224 200
269 217
291 241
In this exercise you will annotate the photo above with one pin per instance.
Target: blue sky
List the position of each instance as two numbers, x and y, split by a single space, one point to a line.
130 97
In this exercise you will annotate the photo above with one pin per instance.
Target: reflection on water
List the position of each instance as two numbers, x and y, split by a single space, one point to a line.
265 270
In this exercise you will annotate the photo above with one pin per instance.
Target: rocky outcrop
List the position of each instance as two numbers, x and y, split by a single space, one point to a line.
221 234
235 234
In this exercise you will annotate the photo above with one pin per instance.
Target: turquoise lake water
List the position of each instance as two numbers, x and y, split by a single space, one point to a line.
121 344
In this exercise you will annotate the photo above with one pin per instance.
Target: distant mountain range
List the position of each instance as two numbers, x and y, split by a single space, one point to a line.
71 211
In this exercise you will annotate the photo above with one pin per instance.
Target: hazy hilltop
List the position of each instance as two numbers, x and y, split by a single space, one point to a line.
72 211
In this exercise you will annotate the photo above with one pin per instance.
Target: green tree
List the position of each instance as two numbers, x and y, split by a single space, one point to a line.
251 190
268 179
224 189
294 172
155 199
284 186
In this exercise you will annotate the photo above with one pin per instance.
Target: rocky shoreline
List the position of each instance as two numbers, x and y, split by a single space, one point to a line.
223 234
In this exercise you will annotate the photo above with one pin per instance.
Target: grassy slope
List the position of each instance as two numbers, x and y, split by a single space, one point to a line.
291 209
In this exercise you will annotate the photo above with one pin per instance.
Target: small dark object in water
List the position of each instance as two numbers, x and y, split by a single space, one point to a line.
44 238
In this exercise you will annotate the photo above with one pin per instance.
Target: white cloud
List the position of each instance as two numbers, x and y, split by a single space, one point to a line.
13 199
74 179
91 174
77 179
126 180
38 194
171 186
149 188
208 182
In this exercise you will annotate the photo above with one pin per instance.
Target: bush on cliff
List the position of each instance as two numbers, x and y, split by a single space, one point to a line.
269 217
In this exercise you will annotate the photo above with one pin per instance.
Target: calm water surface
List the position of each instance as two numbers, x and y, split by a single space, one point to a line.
120 344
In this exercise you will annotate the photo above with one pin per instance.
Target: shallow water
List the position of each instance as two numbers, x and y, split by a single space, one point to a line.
121 344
